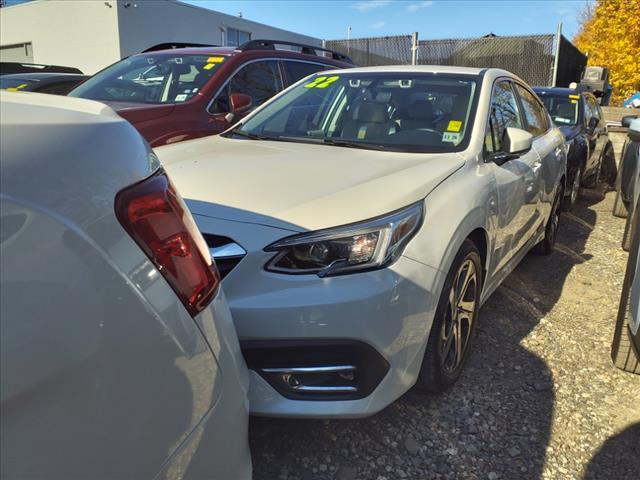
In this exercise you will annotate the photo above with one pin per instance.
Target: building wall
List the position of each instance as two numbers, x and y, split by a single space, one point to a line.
143 24
75 33
92 34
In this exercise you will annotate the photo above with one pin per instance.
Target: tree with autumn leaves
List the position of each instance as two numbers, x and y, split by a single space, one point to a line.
610 35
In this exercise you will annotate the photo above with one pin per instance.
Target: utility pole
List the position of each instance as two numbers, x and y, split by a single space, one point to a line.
556 55
414 48
349 33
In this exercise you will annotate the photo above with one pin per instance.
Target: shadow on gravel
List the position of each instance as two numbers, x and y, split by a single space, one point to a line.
495 423
618 454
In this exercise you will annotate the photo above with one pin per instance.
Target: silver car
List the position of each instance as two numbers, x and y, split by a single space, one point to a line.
625 349
362 217
118 356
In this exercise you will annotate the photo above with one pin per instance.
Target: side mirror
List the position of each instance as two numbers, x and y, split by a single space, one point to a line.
593 123
516 141
627 119
634 130
239 103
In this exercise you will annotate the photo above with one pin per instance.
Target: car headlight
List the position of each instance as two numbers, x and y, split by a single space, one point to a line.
350 248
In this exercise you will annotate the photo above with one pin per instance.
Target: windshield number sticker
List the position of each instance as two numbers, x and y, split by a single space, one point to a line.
574 97
454 126
215 59
451 137
321 82
209 66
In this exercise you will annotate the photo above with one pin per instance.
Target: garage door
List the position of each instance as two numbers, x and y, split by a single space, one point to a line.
21 53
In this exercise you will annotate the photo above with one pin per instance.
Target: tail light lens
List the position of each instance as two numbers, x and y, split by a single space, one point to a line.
156 217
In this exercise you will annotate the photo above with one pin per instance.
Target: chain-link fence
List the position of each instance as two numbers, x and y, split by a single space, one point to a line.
531 57
369 52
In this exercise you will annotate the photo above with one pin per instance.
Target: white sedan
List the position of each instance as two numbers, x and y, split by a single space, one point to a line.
362 217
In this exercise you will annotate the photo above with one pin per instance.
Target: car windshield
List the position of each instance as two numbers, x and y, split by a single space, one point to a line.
15 84
151 79
562 108
410 112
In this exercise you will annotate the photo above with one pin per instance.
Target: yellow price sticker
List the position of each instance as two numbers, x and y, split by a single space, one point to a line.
574 101
322 82
575 97
209 66
12 89
215 59
454 126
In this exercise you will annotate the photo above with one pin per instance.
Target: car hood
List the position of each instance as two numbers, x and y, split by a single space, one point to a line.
298 186
136 112
570 132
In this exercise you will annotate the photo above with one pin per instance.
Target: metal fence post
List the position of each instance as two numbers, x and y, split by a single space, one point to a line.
414 48
556 55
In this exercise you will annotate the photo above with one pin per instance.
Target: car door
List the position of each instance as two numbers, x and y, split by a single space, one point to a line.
547 144
516 179
260 79
597 137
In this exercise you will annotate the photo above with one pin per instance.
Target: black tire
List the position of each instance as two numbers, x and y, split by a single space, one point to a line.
592 180
441 367
619 208
623 352
572 196
545 247
608 167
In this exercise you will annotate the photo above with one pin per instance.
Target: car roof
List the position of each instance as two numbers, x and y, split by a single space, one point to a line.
38 76
556 90
418 69
233 51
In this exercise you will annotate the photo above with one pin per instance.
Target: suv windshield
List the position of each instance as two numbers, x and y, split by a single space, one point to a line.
563 109
414 112
151 79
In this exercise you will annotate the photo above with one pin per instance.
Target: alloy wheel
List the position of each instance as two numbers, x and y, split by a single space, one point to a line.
459 317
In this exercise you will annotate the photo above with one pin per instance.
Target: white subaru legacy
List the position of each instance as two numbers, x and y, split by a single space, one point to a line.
362 217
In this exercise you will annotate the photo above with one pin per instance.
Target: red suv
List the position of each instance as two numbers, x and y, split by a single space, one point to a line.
182 93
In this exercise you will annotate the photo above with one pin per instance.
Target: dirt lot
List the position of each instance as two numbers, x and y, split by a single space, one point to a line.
539 398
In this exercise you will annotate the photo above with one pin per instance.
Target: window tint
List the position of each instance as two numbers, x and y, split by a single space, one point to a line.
533 112
299 70
259 80
60 88
504 114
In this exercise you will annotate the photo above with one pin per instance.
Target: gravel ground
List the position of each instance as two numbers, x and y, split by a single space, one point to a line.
539 397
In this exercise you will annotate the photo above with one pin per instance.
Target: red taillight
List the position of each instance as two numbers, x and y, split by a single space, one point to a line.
154 214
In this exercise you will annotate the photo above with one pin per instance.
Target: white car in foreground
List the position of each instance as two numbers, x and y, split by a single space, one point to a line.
362 217
118 355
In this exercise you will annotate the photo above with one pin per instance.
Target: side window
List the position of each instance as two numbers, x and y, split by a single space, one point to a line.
298 70
533 112
504 113
259 80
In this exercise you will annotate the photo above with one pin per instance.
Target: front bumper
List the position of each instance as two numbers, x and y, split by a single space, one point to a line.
390 310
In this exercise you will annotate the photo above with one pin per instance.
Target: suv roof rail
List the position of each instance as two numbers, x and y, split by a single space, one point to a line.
172 45
307 49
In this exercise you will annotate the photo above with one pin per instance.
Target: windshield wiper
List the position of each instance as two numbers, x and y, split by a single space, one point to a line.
252 136
351 144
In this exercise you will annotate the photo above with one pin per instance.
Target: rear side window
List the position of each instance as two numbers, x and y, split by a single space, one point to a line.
533 112
299 70
504 114
259 80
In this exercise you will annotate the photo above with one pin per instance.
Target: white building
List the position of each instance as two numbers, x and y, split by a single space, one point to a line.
92 34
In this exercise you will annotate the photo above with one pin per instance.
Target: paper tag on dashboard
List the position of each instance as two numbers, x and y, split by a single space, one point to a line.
452 137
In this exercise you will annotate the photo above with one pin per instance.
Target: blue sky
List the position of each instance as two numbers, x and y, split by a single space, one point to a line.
431 19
